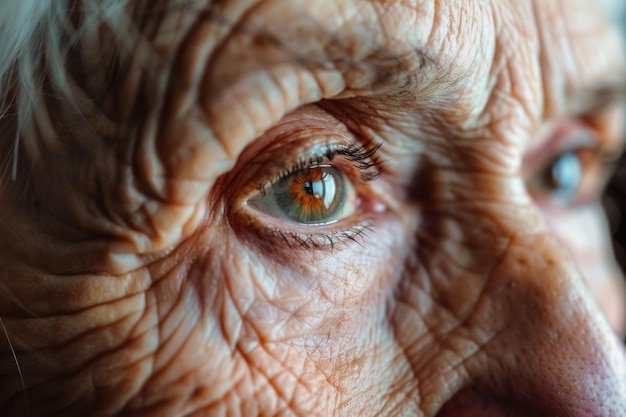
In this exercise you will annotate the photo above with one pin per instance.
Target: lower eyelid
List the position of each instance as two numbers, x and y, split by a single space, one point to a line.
271 234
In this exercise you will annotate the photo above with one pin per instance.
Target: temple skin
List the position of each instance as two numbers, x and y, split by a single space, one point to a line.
136 280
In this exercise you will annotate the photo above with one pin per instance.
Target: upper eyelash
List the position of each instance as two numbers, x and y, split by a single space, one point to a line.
364 157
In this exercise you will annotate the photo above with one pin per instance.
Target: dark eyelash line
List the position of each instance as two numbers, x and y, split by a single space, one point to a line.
364 157
355 234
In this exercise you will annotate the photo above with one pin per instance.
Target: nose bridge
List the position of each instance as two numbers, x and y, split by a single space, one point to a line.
560 355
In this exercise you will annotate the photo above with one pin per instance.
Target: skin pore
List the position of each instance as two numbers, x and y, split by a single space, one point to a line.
156 258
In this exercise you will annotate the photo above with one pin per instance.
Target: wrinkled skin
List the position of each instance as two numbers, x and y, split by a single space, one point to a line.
136 280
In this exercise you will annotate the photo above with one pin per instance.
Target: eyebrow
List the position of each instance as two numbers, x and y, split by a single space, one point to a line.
381 71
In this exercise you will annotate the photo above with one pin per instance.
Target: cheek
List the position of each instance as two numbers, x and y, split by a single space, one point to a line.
584 232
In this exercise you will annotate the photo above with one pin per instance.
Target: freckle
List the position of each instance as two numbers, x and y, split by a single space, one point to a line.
511 284
522 261
551 262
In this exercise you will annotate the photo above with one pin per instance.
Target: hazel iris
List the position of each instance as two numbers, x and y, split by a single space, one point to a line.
312 195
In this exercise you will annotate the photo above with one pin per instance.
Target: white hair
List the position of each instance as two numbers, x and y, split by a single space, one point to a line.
21 25
37 36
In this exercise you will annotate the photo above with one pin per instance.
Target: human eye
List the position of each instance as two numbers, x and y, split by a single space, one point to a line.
573 170
314 195
314 192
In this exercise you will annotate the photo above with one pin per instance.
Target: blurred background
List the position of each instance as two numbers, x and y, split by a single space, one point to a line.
615 205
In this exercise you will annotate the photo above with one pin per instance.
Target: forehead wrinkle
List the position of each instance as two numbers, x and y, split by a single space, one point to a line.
380 49
382 63
353 47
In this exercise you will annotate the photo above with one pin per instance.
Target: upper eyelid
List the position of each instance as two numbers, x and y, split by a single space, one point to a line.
283 153
295 153
358 157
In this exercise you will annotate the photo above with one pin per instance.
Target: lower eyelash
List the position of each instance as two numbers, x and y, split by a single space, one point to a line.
354 234
322 241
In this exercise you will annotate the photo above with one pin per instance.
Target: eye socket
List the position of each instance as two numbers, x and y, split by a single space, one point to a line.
314 195
571 178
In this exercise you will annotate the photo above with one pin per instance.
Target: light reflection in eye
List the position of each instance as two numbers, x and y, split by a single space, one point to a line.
315 195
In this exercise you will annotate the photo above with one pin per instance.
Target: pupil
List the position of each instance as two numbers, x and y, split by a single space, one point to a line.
317 183
308 188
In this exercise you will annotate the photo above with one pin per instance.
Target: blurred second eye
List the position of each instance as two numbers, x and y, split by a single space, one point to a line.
315 195
563 177
574 177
